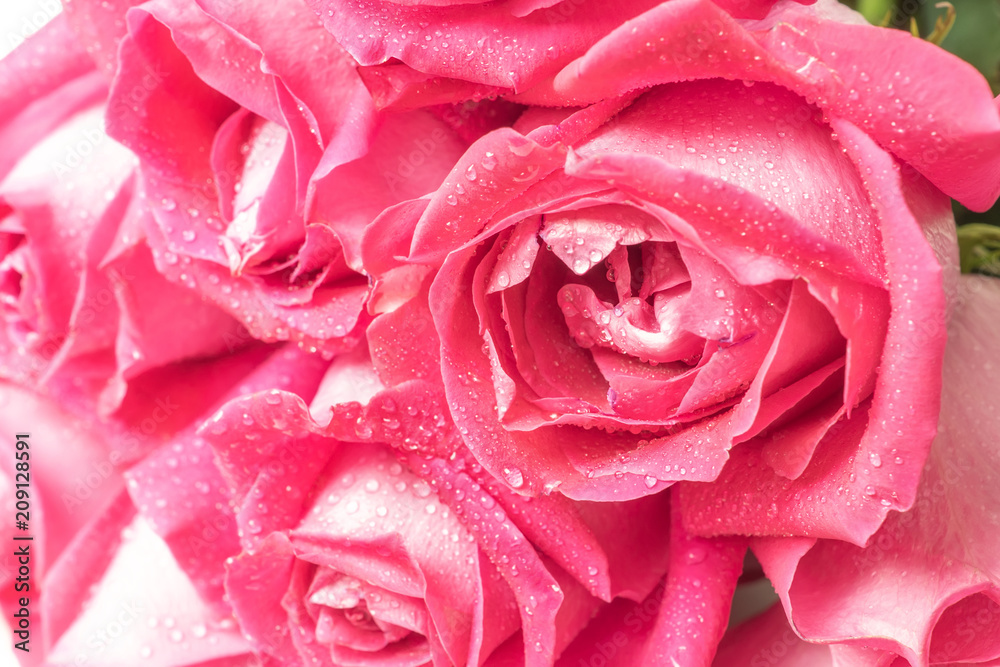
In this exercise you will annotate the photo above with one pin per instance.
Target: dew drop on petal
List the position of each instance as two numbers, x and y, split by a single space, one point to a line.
514 477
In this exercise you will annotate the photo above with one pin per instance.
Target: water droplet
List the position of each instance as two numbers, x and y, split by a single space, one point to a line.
470 173
514 477
695 555
489 161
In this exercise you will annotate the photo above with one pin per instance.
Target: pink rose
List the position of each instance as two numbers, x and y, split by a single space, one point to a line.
376 539
74 281
262 160
724 283
582 300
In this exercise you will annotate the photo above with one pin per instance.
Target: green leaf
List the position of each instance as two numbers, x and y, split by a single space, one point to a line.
979 248
876 11
975 36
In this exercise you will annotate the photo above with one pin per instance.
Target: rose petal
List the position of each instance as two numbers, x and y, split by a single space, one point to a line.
99 26
183 494
44 82
769 638
519 54
937 561
954 142
149 598
697 594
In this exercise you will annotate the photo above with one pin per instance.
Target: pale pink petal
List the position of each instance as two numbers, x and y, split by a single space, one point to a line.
145 611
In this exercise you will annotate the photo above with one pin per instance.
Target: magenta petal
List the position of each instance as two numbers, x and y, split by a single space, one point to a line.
403 343
789 447
515 261
547 358
409 156
749 251
637 557
680 621
146 337
912 347
368 498
456 318
100 26
329 93
187 114
755 9
806 340
561 528
501 158
394 85
616 636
